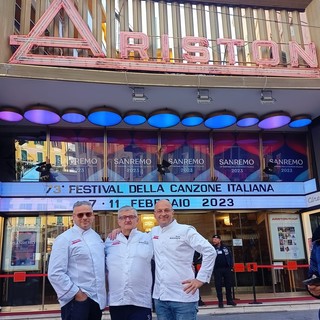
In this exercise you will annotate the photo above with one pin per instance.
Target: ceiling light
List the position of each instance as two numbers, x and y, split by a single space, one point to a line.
274 120
104 116
138 94
247 120
163 118
203 96
42 115
266 97
134 118
73 116
218 120
10 114
300 121
192 119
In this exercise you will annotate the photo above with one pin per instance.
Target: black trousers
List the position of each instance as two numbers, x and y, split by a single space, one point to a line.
223 275
81 310
130 312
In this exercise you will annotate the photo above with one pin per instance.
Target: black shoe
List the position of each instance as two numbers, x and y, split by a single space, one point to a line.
220 305
201 303
231 303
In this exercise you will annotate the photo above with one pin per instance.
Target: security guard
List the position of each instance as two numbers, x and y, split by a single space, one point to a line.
223 270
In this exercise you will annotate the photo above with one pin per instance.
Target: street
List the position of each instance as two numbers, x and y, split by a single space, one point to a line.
277 315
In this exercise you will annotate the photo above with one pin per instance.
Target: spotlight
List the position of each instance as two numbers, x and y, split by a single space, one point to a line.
266 97
203 96
270 168
163 167
138 94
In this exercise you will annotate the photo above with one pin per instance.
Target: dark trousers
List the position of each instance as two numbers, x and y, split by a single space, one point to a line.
81 310
220 275
130 312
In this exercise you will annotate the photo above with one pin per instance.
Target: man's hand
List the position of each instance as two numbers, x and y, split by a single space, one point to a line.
191 285
113 234
315 290
80 296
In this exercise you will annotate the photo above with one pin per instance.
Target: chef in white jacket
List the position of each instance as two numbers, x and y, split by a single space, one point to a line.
128 261
77 268
176 291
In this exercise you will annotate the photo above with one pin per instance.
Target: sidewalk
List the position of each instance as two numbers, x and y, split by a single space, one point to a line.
265 303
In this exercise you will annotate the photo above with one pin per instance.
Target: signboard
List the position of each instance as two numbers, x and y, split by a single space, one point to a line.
143 196
286 237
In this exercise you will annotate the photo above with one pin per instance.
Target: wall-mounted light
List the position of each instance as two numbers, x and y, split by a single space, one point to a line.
220 119
274 120
10 114
134 118
247 120
300 121
192 119
138 94
203 96
73 115
164 118
227 221
104 116
42 115
266 97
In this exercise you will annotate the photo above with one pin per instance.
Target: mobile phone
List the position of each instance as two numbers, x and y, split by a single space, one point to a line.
312 281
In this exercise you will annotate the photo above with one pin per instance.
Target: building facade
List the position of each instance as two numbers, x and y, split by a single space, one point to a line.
211 105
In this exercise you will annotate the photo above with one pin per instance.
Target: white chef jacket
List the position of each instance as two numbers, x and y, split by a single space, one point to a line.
174 247
77 261
128 264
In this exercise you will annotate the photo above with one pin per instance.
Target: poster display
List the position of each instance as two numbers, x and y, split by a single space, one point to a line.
236 157
286 237
132 156
23 254
286 156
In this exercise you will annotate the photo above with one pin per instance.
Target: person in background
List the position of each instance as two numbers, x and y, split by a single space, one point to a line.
128 261
314 267
44 169
77 268
176 291
197 260
223 271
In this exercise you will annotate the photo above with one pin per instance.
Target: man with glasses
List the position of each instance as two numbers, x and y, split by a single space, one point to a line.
77 268
128 260
176 291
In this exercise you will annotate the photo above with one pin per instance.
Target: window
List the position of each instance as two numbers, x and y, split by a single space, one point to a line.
24 155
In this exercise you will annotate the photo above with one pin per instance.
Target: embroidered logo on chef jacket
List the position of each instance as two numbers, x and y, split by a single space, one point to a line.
144 242
76 241
114 243
155 237
175 238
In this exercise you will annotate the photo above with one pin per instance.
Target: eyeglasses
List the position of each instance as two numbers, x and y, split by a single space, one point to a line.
127 217
82 214
167 210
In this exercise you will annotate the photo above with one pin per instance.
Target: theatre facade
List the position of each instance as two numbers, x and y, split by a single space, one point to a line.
129 102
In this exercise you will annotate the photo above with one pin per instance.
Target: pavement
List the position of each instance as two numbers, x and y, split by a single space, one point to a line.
245 304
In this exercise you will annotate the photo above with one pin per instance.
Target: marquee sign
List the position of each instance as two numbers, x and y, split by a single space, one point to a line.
196 53
31 197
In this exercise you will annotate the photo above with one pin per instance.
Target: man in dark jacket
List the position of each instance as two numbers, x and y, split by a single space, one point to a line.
223 271
314 269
